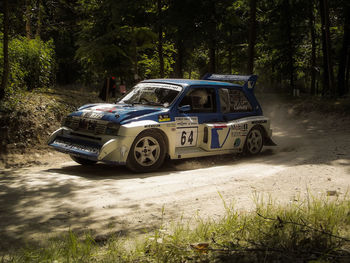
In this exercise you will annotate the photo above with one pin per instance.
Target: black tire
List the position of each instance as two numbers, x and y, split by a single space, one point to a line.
254 141
82 161
147 152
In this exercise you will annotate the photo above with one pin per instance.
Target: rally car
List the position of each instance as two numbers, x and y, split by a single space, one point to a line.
167 118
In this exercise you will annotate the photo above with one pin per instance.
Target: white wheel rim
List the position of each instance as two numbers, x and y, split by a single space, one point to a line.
254 141
147 151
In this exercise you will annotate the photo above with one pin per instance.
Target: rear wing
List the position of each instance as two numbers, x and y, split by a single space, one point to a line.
249 80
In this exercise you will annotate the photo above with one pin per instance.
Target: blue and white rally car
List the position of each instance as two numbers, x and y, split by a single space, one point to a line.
173 118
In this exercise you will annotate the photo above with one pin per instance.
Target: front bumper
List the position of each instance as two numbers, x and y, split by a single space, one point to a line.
108 150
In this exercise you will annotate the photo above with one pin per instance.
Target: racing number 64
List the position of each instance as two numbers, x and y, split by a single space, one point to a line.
184 138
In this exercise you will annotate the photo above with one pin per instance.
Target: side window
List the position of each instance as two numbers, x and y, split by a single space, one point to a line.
224 100
200 100
232 100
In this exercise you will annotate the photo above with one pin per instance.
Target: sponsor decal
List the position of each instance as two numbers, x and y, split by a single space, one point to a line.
239 127
215 140
238 133
186 121
171 125
108 109
163 117
237 143
259 122
92 115
220 126
152 126
159 85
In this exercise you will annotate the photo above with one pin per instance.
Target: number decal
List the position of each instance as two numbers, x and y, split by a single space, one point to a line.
190 138
183 138
186 137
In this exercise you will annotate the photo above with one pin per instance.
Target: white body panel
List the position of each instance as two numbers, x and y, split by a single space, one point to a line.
185 138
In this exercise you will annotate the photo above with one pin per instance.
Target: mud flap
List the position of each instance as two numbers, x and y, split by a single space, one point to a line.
268 142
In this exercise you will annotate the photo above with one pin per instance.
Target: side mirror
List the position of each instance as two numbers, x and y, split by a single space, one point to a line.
185 108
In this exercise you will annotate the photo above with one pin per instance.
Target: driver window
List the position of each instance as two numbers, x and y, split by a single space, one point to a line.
200 100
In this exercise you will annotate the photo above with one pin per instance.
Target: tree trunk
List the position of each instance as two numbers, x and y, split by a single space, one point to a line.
289 43
6 70
252 37
347 75
344 53
326 47
179 59
313 47
160 39
212 57
230 52
38 30
135 55
212 39
28 20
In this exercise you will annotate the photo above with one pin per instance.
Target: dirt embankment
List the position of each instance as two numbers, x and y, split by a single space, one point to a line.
27 120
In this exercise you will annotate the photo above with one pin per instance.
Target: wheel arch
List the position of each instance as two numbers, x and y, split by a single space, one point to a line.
132 161
263 134
162 133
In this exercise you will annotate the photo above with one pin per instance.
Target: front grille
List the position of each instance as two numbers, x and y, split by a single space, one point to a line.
75 123
100 128
88 125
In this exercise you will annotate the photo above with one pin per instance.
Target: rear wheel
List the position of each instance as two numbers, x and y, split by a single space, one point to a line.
254 141
147 152
82 161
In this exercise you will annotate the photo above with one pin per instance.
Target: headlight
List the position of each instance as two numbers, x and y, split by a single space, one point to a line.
112 128
67 121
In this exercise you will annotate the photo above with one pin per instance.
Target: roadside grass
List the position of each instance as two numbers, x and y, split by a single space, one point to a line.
310 230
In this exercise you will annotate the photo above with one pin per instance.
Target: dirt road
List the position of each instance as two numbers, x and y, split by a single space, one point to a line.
313 155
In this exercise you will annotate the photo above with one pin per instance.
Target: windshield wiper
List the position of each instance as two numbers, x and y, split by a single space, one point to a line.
129 103
152 103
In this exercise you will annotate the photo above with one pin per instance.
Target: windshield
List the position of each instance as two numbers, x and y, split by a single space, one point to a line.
155 94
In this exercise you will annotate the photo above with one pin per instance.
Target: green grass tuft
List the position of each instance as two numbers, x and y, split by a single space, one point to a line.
312 230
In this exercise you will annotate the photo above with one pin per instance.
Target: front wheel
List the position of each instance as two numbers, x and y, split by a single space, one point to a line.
254 141
147 152
82 161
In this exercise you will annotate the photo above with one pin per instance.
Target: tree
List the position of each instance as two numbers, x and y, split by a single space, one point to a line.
28 19
160 38
311 16
344 54
5 74
252 37
40 17
328 84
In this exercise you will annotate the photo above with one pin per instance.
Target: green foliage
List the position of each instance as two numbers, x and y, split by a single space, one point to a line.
97 38
149 62
32 64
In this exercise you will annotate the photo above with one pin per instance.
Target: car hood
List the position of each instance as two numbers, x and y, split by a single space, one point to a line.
119 113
